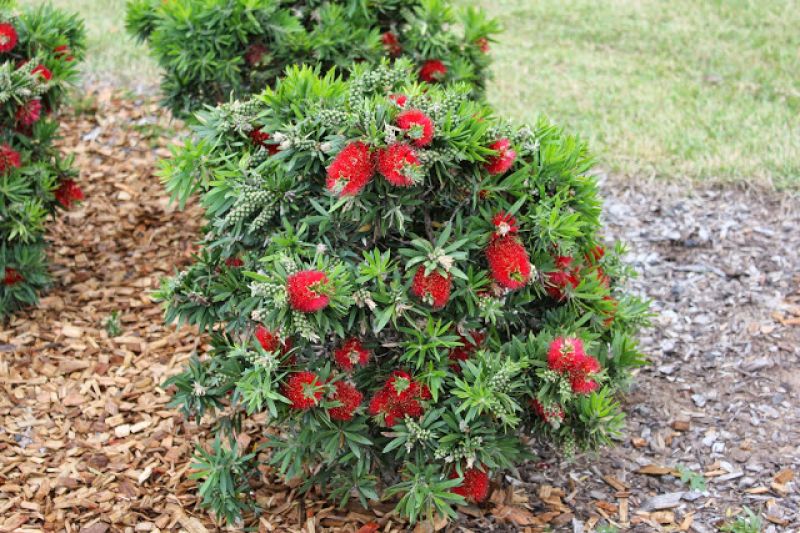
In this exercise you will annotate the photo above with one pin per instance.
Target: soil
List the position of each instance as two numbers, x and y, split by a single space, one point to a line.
88 442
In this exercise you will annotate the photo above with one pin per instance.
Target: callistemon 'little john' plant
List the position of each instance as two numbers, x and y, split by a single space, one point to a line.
213 49
38 50
408 287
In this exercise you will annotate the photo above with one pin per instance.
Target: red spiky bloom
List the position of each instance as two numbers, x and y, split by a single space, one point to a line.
483 44
399 99
504 224
350 399
12 277
399 397
398 163
271 340
67 193
303 389
29 113
503 160
580 375
595 254
417 125
307 291
351 353
351 169
475 486
254 53
392 44
234 262
8 37
563 354
467 348
43 72
432 71
509 264
433 289
260 138
63 52
564 277
552 412
9 158
611 314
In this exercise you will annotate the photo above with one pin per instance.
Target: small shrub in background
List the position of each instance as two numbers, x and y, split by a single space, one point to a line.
401 285
39 51
212 49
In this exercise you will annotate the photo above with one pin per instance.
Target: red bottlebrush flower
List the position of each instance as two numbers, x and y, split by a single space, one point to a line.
254 53
595 254
271 341
505 224
398 163
500 163
63 52
509 264
561 279
9 158
399 397
475 486
392 44
467 348
306 291
351 170
433 289
552 412
260 138
8 37
350 399
351 353
67 193
483 44
234 262
43 72
583 385
12 277
564 353
432 71
303 389
417 125
29 113
399 99
612 313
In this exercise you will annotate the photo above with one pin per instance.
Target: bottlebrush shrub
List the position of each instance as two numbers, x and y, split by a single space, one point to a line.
39 48
211 49
406 288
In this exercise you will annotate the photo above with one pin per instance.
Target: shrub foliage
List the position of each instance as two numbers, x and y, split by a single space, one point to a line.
212 49
39 51
404 286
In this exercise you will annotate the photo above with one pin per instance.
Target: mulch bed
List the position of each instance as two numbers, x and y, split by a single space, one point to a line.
88 443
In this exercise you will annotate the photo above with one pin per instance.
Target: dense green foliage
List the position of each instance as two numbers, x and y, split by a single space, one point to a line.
397 241
212 49
39 49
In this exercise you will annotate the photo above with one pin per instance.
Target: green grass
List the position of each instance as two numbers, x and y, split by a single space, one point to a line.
679 89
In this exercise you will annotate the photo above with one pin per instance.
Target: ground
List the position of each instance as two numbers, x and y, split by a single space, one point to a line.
89 443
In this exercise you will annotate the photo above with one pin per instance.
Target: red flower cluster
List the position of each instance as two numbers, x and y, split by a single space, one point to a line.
234 262
562 278
29 113
350 399
254 53
9 158
483 44
509 263
306 291
63 52
399 397
399 99
12 277
504 224
467 348
67 193
43 72
500 163
303 389
567 356
551 412
8 37
351 353
417 125
398 163
351 169
433 289
612 313
271 341
392 44
260 138
475 486
432 71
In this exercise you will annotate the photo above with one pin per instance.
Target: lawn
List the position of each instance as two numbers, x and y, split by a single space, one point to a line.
685 89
